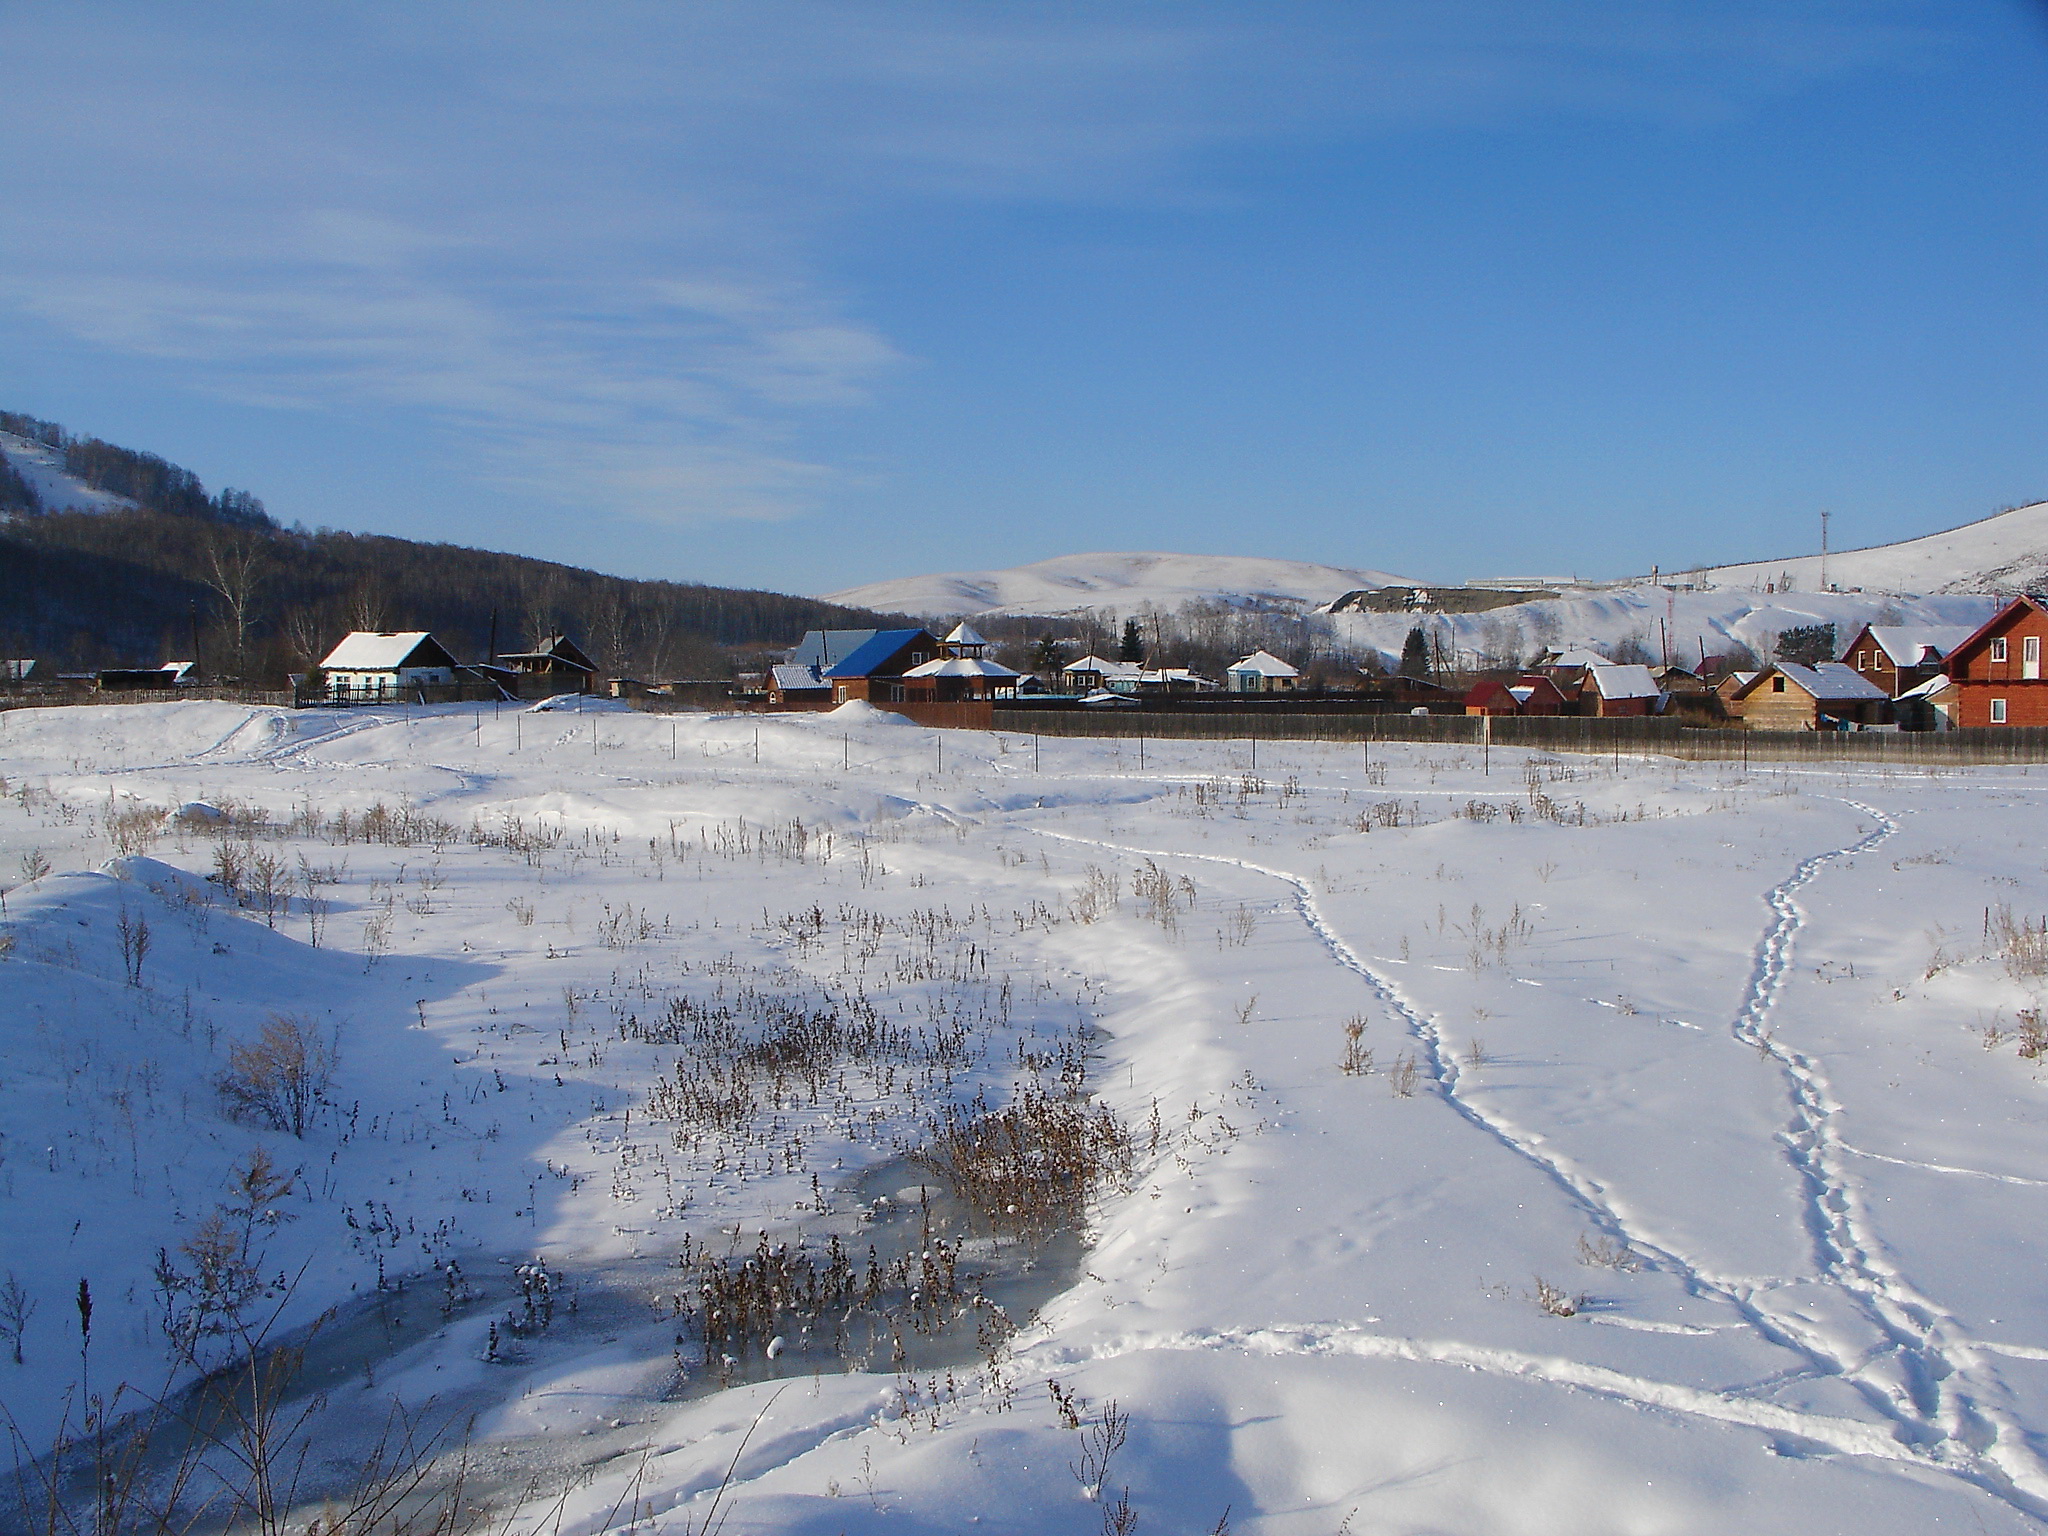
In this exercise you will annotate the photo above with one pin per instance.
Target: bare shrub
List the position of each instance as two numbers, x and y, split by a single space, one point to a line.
230 866
280 1079
1030 1169
522 911
2021 942
34 865
1162 896
133 828
1101 1438
2033 1034
132 932
1402 1076
16 1307
1357 1054
1556 1301
1602 1252
207 1290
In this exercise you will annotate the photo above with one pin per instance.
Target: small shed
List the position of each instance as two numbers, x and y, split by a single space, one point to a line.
1529 695
1262 672
1618 690
1829 697
794 683
386 664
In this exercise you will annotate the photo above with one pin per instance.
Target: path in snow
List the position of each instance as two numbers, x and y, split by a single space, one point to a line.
1939 1414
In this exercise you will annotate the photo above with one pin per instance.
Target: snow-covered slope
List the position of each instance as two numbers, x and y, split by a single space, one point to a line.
43 468
2005 553
1125 582
1523 1144
1681 624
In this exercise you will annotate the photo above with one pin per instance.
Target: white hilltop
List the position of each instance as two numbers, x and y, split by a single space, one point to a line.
56 487
2007 552
1125 582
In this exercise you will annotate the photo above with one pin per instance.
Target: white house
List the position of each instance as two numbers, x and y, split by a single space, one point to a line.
1262 672
386 664
1092 672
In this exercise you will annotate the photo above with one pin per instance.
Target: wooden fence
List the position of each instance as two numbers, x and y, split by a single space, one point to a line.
2014 744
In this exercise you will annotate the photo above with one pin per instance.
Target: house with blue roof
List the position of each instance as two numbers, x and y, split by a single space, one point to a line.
874 669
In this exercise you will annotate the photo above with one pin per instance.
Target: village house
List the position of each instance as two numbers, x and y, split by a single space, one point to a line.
143 679
1900 657
1092 672
1528 695
1614 690
797 684
822 648
372 665
556 665
960 671
1787 697
1262 672
874 669
1997 670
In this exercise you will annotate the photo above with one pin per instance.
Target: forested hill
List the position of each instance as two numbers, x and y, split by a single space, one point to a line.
166 564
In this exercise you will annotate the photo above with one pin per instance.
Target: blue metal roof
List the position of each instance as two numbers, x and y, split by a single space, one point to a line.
886 643
828 647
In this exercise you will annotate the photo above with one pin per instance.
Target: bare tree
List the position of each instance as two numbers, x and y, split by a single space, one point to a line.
16 1307
237 565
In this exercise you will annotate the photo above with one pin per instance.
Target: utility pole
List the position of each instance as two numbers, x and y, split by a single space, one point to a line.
1825 514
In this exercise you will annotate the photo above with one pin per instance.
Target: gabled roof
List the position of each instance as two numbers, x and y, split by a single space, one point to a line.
1623 681
961 666
1264 664
17 671
1583 656
1933 688
2034 600
877 652
788 676
370 650
1829 682
1106 668
965 634
1915 645
557 648
828 647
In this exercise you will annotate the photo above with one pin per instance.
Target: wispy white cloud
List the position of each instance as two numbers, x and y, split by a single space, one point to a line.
591 244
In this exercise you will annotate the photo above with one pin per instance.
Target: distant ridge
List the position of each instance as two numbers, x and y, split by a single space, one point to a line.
1126 582
2006 552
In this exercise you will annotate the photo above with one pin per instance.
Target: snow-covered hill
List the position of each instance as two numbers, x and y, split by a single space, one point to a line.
59 491
2005 553
1680 625
1125 582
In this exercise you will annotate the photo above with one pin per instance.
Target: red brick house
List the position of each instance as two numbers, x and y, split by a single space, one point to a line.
1998 673
1527 695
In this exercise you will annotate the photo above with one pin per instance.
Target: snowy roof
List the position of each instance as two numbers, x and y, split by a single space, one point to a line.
1914 645
965 634
17 671
788 676
1934 687
961 666
379 650
1829 680
1583 656
1106 668
880 646
1626 681
1102 696
1265 664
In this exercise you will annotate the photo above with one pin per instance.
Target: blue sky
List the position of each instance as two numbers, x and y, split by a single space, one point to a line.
802 295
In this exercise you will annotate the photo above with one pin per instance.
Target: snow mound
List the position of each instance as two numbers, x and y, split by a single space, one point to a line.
861 712
579 704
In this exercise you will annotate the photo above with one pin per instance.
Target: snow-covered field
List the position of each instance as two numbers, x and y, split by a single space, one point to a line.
1690 1178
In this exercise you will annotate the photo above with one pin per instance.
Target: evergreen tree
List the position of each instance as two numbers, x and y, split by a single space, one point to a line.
1133 646
1415 654
1807 644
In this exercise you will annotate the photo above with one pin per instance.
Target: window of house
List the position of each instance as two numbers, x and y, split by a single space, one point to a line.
1998 650
1998 711
918 658
1777 685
